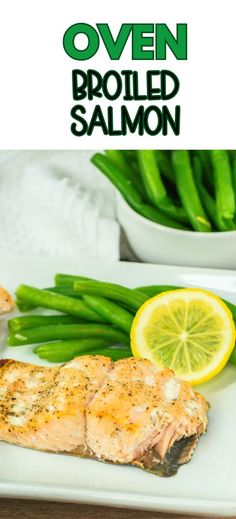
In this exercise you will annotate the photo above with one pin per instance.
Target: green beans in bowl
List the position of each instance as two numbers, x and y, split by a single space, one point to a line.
176 207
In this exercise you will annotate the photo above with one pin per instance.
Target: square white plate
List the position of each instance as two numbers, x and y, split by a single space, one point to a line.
207 485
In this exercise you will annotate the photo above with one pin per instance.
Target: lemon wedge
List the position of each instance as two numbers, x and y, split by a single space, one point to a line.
190 331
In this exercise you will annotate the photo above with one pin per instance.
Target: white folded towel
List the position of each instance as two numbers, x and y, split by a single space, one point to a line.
46 213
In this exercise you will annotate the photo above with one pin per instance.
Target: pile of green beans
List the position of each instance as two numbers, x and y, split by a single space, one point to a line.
95 318
188 190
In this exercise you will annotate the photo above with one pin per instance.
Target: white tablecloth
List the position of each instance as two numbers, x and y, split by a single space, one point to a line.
56 203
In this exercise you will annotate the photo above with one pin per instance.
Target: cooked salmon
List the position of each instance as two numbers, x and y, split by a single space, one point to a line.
6 301
123 412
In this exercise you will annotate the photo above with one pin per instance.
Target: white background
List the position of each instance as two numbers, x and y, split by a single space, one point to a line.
35 84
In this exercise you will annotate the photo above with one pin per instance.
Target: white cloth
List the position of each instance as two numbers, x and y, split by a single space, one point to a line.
46 212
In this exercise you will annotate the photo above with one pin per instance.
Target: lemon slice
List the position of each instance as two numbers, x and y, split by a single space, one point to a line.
189 330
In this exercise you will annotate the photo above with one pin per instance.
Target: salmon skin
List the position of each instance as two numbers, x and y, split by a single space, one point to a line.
127 412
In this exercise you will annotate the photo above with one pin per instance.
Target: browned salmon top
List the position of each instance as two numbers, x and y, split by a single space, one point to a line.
125 412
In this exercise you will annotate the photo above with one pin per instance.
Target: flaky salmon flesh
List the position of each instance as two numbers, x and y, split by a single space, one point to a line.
126 412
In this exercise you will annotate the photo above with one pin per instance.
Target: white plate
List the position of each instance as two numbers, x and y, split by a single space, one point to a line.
207 485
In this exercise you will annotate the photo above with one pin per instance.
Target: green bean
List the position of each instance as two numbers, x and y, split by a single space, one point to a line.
210 207
67 291
66 331
188 192
24 307
137 178
231 307
205 197
155 187
234 177
204 157
58 302
114 353
130 194
205 160
117 177
33 321
208 172
207 200
133 163
130 154
151 176
130 297
92 286
67 280
154 290
232 358
27 307
119 159
173 211
225 199
110 311
157 216
232 156
164 164
63 351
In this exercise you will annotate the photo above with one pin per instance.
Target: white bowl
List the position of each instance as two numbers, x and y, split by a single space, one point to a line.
154 243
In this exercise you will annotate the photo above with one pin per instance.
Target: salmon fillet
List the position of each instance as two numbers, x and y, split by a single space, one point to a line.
123 412
6 301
